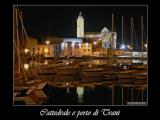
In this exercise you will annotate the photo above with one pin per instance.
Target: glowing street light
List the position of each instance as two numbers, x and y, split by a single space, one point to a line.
46 50
129 47
26 66
47 42
46 62
26 50
67 84
95 43
122 47
145 45
87 44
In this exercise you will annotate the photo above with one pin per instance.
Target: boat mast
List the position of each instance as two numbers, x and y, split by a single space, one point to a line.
17 39
122 32
112 22
113 42
142 31
25 35
131 38
122 39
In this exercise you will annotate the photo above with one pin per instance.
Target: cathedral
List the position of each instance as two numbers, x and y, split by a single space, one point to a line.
108 38
84 44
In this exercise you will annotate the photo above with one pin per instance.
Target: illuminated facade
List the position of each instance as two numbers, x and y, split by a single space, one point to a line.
75 47
46 50
92 35
69 46
82 45
56 42
86 49
107 37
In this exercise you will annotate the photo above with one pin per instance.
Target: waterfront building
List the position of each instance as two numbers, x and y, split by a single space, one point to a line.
30 42
45 50
56 42
108 38
86 49
70 46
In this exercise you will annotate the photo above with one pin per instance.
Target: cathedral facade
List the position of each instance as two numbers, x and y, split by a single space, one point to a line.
108 38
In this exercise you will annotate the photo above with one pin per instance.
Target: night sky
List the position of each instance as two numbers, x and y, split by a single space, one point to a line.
44 21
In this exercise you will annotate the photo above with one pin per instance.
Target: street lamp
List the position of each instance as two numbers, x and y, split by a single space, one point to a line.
26 50
26 66
47 42
129 47
145 45
95 43
123 47
87 44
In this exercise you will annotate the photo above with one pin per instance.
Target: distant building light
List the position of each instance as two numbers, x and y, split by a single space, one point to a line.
86 44
123 47
95 43
67 63
47 42
62 45
67 83
90 66
26 66
26 50
46 62
46 50
129 47
145 45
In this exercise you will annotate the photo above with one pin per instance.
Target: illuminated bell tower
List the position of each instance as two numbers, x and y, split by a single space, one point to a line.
80 26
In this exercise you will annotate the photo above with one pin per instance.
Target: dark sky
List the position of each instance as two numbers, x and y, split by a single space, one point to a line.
43 21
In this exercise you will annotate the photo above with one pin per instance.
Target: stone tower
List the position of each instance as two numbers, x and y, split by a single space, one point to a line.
80 26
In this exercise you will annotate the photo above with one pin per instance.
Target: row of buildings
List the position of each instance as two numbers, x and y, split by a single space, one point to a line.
101 43
85 44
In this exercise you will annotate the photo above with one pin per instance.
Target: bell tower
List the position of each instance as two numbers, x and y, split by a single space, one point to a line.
80 26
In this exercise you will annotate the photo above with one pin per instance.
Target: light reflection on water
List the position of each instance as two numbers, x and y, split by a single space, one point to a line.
68 90
80 92
81 95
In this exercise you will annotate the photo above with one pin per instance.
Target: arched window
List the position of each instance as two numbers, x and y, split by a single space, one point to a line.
76 45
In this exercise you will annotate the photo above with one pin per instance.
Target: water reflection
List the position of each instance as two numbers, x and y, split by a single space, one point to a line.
80 92
68 90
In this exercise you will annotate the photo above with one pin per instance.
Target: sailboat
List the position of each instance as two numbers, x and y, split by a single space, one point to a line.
25 91
140 65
